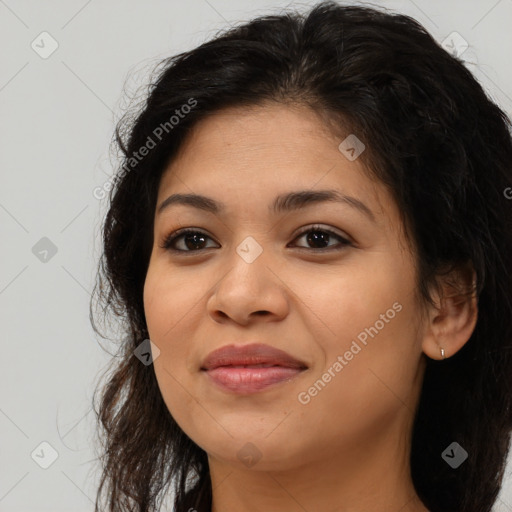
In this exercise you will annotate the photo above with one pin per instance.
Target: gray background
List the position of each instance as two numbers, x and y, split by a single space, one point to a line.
58 115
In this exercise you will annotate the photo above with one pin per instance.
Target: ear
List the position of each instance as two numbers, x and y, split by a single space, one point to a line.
452 321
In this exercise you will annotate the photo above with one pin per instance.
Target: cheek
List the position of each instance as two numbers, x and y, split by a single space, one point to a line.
172 305
344 302
355 397
166 304
168 300
371 321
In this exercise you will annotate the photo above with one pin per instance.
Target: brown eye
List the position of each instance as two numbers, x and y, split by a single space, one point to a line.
193 240
319 238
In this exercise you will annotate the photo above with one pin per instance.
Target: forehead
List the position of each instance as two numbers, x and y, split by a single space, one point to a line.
272 142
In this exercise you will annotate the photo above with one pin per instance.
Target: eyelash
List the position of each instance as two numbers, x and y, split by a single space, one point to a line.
171 238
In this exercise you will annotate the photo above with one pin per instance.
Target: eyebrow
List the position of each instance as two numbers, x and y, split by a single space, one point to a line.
291 201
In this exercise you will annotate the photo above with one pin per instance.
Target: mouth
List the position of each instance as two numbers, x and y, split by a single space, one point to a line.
250 368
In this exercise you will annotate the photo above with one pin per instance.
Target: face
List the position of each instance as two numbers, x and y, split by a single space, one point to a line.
330 282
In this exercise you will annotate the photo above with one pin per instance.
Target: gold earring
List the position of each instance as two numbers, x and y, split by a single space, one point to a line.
442 353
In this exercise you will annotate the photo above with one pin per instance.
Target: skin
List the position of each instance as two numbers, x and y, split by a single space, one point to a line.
347 449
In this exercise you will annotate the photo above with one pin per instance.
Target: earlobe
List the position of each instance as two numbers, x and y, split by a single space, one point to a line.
452 322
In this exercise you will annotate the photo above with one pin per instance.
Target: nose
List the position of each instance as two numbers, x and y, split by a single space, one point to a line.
249 292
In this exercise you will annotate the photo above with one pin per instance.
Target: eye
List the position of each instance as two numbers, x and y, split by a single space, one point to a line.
319 236
193 240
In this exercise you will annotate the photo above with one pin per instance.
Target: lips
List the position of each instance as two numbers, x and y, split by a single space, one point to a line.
256 355
249 369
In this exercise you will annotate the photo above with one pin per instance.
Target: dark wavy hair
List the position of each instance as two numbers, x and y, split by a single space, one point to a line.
433 137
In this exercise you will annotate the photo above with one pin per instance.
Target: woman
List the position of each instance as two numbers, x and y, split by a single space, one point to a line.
309 244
